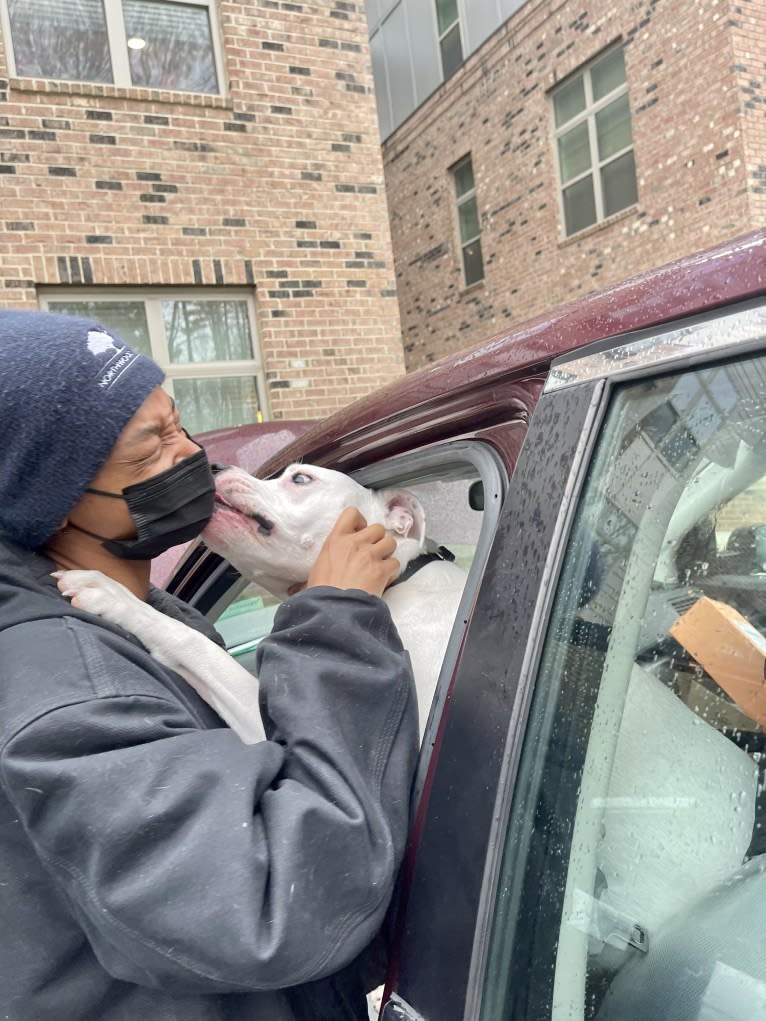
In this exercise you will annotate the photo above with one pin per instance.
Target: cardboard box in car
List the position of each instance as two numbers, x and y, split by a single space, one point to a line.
730 649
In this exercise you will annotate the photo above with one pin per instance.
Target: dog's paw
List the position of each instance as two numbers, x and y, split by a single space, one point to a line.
96 593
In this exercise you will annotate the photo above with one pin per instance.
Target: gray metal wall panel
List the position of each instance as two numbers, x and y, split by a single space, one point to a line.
398 64
482 18
385 120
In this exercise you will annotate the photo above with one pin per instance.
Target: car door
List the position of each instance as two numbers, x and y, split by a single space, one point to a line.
460 485
590 840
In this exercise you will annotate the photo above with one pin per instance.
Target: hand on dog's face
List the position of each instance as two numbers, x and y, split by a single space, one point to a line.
272 530
355 555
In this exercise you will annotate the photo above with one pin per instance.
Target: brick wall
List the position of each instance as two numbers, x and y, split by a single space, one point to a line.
695 73
276 187
747 23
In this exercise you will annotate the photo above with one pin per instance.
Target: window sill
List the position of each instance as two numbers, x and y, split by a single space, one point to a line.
596 227
140 94
477 285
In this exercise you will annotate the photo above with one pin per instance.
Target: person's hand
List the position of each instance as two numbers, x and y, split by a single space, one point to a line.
355 555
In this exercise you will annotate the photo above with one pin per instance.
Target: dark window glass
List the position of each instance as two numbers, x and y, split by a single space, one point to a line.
468 214
613 128
463 175
473 264
579 205
452 51
618 180
574 152
446 14
569 101
592 188
608 74
469 222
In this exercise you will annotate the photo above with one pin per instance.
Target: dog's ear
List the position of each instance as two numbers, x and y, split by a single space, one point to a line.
404 515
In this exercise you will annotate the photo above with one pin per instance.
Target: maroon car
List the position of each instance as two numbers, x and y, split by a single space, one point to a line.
589 818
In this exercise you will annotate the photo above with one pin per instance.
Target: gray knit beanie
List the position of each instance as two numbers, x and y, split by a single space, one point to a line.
68 386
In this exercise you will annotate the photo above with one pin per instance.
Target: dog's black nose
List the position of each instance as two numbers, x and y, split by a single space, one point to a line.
216 468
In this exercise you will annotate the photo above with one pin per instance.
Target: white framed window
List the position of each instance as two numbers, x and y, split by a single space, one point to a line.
157 44
469 225
206 343
450 40
594 143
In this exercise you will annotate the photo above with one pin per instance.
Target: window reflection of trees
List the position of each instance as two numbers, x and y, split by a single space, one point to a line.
126 319
217 403
207 331
60 39
202 334
177 53
68 39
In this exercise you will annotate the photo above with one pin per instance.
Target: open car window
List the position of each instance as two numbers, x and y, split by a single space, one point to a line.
633 884
460 486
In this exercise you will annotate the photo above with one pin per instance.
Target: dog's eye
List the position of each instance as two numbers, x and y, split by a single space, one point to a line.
301 478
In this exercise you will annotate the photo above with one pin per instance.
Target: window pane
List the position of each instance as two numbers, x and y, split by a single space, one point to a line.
170 46
446 14
569 101
207 331
613 128
399 75
463 178
639 827
574 152
60 39
473 264
608 74
468 215
126 318
579 205
452 51
618 183
245 623
216 403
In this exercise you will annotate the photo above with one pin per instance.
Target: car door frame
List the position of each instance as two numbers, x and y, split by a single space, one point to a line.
443 926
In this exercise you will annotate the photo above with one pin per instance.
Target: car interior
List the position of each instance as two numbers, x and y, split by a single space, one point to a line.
647 747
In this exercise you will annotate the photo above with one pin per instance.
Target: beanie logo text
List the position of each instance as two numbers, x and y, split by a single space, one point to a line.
99 343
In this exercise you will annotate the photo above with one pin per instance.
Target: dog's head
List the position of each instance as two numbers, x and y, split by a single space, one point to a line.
271 530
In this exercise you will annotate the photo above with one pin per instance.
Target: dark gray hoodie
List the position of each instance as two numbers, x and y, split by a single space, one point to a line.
151 865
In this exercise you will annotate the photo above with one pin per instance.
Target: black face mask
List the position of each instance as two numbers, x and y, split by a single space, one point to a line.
168 509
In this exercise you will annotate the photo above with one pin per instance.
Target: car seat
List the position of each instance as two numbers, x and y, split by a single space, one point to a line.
707 964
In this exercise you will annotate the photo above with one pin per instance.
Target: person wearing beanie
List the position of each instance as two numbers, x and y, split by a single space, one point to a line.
152 864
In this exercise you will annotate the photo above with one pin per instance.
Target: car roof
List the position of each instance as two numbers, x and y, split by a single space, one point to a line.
464 387
248 446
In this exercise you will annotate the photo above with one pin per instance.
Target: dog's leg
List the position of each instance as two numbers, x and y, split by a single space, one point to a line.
210 670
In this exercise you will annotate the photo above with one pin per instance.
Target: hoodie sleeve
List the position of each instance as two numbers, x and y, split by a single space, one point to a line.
197 863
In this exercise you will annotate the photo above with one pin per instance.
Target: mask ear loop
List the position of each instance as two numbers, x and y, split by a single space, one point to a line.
85 531
103 492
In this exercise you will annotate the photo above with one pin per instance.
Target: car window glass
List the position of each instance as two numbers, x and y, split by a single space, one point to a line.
246 621
633 884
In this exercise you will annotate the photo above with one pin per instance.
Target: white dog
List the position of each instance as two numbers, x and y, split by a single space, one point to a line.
271 532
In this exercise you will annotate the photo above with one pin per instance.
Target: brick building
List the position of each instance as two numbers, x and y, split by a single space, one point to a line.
538 150
205 177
